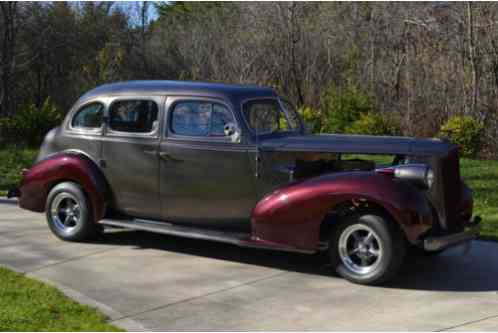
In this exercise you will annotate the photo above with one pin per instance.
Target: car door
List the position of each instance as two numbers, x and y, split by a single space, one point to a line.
205 175
130 149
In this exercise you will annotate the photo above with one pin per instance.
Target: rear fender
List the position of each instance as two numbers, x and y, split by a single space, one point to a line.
65 166
293 214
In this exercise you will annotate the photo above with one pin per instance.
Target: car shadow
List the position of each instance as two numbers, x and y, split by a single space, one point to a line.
452 270
449 271
7 201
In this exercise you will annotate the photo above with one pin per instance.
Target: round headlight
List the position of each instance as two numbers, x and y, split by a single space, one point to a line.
419 174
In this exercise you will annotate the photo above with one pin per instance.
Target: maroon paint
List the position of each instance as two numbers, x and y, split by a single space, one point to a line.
39 180
292 215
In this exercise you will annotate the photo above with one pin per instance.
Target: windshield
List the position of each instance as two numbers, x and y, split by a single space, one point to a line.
266 116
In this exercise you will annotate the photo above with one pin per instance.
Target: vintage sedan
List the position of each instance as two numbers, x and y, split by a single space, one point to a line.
234 164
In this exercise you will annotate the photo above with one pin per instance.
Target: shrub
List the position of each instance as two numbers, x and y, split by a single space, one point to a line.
30 124
12 161
311 118
465 132
343 107
373 124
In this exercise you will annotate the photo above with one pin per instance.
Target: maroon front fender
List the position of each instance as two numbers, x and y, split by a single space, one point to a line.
292 215
38 181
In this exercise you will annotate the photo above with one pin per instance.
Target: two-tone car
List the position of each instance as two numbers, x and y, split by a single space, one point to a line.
235 164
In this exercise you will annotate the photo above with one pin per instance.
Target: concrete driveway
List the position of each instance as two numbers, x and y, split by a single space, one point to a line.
153 282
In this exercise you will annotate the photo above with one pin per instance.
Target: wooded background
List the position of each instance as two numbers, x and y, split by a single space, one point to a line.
416 64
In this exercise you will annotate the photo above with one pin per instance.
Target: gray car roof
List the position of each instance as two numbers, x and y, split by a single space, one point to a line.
163 87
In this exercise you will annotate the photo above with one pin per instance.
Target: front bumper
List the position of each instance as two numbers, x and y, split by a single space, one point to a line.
436 243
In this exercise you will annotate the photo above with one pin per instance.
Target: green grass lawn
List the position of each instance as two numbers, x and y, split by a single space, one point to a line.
482 178
29 305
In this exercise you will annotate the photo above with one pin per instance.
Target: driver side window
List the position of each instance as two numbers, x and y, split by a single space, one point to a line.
200 119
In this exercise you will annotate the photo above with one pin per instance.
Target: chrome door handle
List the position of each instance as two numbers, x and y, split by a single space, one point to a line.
164 155
150 152
167 157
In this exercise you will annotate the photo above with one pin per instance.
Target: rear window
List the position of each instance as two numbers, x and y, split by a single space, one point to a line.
89 116
134 116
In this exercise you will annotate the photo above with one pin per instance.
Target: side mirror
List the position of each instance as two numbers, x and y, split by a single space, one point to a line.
231 130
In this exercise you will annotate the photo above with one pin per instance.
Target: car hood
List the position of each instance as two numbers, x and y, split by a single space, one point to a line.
360 144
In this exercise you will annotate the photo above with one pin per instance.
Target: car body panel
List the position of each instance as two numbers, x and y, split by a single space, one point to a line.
132 166
207 183
368 144
198 174
294 213
132 171
249 184
66 166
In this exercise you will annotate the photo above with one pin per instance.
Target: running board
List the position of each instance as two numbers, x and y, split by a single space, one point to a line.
235 238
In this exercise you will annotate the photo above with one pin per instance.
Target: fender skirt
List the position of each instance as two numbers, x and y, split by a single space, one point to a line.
293 214
44 175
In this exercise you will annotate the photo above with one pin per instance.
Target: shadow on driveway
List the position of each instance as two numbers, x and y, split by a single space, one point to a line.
8 201
450 271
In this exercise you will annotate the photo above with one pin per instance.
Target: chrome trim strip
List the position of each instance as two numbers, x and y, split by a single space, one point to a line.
212 146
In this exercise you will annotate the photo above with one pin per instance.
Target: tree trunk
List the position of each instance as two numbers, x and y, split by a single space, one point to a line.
7 65
472 58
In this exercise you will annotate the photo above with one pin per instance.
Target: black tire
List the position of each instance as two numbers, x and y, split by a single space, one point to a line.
353 258
80 225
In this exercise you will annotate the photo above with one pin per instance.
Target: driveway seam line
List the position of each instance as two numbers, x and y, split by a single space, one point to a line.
200 296
467 323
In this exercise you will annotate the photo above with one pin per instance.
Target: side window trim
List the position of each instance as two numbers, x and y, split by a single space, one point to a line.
90 130
172 101
152 134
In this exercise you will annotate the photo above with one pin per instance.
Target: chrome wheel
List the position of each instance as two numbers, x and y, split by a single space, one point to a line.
360 249
65 213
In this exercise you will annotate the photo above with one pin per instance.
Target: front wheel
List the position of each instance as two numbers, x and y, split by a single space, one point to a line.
69 213
367 248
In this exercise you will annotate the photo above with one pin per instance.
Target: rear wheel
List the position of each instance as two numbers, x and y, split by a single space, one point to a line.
69 214
366 248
